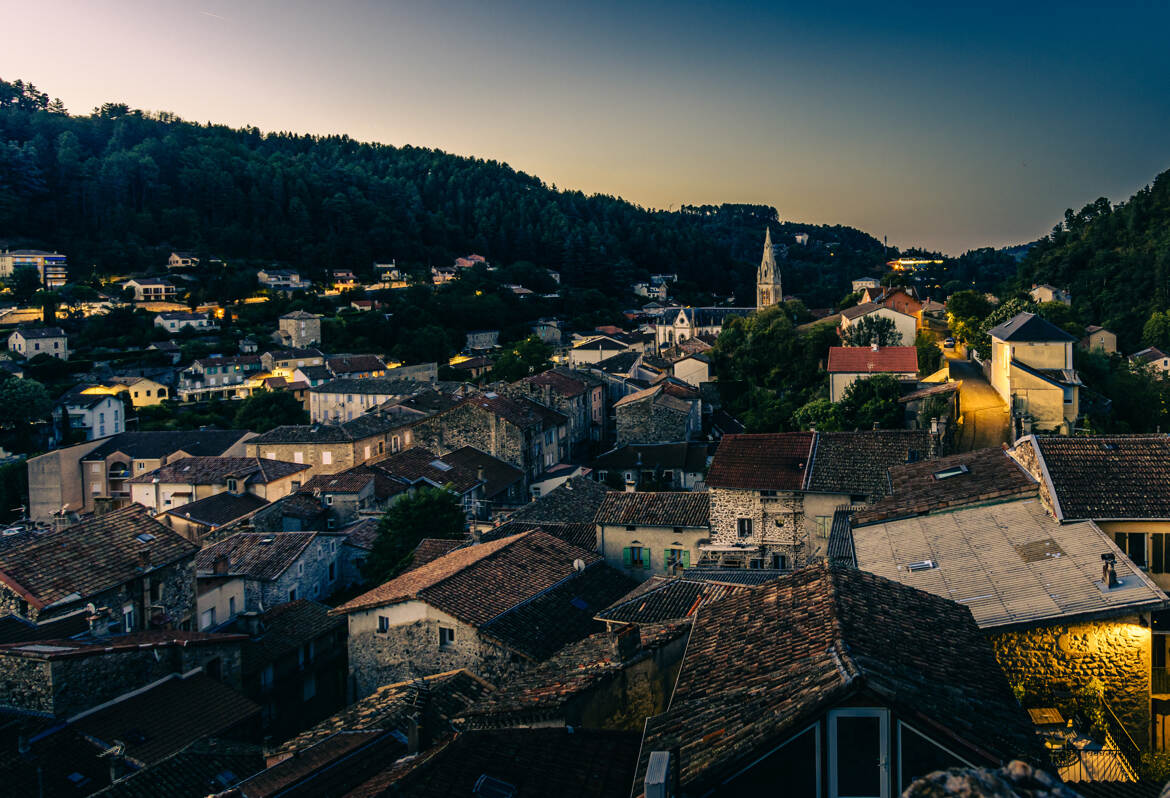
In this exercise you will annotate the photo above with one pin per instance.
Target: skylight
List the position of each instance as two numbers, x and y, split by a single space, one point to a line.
144 537
953 471
922 565
439 464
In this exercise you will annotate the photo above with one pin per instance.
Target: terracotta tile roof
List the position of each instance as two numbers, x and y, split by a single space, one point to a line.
285 628
559 382
858 311
855 462
88 645
418 464
202 768
655 509
765 662
620 363
220 509
14 629
866 360
361 534
575 501
441 698
329 767
773 461
164 443
691 457
478 583
1107 476
665 598
351 481
539 627
429 549
519 410
351 364
377 386
89 557
914 490
536 762
1010 563
583 535
1029 327
498 476
167 718
539 693
255 555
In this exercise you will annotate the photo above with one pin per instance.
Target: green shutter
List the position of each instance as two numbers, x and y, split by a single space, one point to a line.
647 557
686 559
626 556
666 557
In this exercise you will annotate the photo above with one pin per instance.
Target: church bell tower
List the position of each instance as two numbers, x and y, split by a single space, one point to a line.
768 291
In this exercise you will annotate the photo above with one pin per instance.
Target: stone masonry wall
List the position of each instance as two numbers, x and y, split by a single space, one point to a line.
1024 453
787 508
407 652
1069 656
646 422
468 425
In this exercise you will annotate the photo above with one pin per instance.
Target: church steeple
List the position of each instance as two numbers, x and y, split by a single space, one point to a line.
768 290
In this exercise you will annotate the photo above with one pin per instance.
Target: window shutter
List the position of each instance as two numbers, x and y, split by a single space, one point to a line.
686 559
1119 538
666 557
1157 547
626 556
647 557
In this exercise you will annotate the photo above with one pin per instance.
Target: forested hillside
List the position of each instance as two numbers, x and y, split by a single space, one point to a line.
1114 259
120 188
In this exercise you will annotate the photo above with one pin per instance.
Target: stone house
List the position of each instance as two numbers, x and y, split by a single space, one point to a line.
904 324
1032 371
857 709
502 483
848 364
348 495
137 572
276 568
205 520
977 528
178 320
654 466
652 533
329 448
299 330
32 341
418 466
357 367
1048 293
1098 339
81 478
773 496
578 395
344 399
189 479
218 377
289 360
1153 358
493 608
482 340
517 430
666 412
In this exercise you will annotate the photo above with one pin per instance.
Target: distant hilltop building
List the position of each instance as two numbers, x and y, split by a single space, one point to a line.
52 267
768 291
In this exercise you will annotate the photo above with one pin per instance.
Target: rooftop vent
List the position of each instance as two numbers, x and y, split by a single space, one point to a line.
144 537
922 565
267 541
1109 446
953 471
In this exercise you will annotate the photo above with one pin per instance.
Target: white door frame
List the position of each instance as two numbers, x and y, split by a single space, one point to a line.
883 748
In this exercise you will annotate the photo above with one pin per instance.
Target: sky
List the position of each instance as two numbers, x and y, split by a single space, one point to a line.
937 125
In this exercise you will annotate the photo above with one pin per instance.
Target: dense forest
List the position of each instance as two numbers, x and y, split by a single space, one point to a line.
118 189
1115 259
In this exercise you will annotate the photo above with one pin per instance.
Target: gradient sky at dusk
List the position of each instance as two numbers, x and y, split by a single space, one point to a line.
945 127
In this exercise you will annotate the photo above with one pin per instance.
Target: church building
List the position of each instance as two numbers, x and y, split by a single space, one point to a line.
768 292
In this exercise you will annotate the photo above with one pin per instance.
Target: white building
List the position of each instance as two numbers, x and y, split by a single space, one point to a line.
150 289
175 320
905 324
99 415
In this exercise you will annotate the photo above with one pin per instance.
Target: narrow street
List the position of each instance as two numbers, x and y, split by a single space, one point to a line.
985 416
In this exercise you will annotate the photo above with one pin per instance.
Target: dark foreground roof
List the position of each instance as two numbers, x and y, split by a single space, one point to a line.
856 462
1030 328
1107 476
763 663
575 501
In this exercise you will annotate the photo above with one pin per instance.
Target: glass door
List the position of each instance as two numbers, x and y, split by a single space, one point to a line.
859 760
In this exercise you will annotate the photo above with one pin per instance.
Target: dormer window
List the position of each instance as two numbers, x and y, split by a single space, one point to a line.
233 485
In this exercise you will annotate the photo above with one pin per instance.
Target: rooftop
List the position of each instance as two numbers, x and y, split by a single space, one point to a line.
771 461
666 598
285 628
674 509
1029 327
214 470
418 464
867 360
574 501
1010 563
222 508
32 333
498 475
690 457
856 462
165 443
255 555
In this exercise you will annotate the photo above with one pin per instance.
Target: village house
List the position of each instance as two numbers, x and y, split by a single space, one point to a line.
182 260
299 330
596 348
346 398
773 496
548 330
275 568
1098 339
654 466
1047 293
418 466
905 325
343 279
150 289
502 483
32 341
860 716
135 569
142 391
179 320
348 495
287 361
1032 371
517 430
482 340
848 364
1153 358
95 474
330 448
356 367
493 608
652 533
211 518
190 479
862 283
89 416
666 412
1061 603
578 395
281 279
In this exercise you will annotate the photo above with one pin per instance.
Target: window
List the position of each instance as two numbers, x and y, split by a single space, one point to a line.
155 591
668 477
329 498
768 494
292 594
231 605
326 458
636 557
332 571
128 617
309 688
797 758
780 562
266 678
298 457
858 759
744 527
1134 545
233 485
446 637
383 624
207 619
95 468
1159 553
919 755
673 556
824 524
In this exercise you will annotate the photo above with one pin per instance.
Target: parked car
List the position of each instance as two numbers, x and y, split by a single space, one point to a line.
949 343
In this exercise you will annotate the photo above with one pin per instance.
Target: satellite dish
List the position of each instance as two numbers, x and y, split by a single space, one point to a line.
579 564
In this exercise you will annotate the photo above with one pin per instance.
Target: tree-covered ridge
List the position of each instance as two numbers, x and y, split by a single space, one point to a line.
120 187
1114 259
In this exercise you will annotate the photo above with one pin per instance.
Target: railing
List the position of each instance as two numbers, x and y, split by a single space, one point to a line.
1121 737
1102 764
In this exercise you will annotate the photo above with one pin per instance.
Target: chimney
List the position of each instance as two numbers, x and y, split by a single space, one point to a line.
250 622
479 474
874 346
144 559
626 641
221 564
660 775
412 735
99 624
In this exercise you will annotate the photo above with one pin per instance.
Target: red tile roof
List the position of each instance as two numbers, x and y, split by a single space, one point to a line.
773 461
866 360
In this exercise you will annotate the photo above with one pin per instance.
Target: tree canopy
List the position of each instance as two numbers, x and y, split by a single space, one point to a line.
264 410
426 513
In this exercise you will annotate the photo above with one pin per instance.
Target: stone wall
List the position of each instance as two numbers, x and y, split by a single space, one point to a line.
645 421
1069 656
408 651
1024 453
309 576
469 425
342 455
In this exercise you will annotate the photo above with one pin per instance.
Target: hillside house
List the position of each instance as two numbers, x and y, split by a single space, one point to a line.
179 320
29 342
652 533
905 325
848 364
150 289
1032 370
